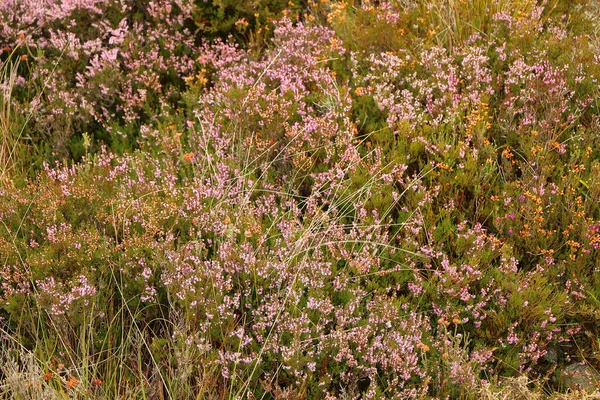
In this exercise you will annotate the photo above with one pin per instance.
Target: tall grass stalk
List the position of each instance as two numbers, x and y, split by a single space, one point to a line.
9 138
457 20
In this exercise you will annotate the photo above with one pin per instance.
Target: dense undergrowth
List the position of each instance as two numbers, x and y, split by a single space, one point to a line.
271 200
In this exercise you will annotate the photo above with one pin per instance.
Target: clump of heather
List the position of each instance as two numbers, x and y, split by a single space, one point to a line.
362 201
107 67
96 65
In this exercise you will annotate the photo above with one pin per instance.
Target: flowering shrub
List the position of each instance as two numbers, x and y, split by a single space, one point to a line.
103 66
318 200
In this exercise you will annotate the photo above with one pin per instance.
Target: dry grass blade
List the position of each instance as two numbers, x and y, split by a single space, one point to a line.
8 141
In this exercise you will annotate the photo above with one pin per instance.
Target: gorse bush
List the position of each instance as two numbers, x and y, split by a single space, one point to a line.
297 199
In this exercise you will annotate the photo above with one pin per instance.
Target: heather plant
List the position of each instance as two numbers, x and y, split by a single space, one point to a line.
322 200
109 66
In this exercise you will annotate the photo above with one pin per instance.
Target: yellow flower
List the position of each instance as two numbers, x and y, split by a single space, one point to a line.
72 382
423 347
188 157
